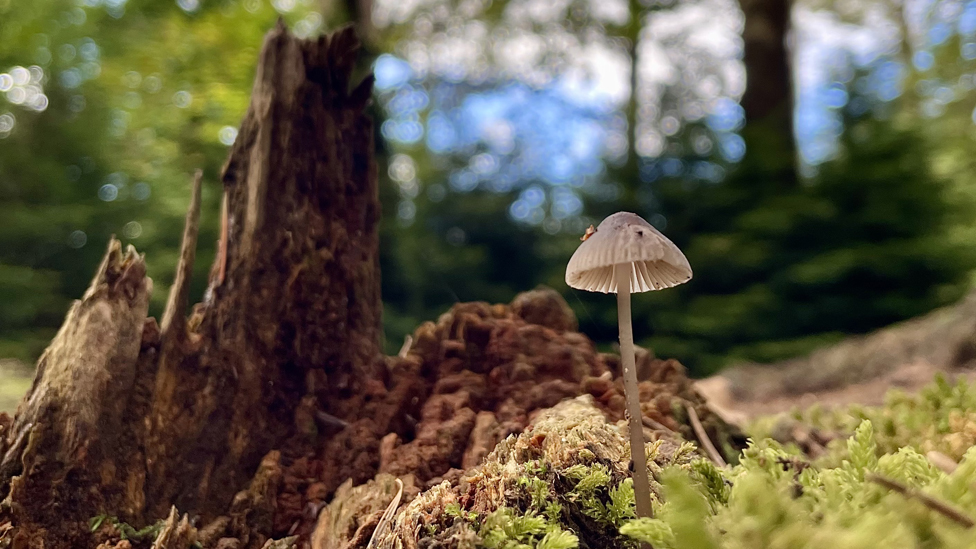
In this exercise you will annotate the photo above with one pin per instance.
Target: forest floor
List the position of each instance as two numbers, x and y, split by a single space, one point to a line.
857 370
777 397
560 481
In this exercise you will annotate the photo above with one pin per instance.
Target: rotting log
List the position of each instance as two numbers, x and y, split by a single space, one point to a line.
906 354
129 419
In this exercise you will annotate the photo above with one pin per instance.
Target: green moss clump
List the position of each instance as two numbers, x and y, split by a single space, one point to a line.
125 530
507 528
941 417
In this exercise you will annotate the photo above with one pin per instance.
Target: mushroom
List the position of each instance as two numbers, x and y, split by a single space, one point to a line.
626 254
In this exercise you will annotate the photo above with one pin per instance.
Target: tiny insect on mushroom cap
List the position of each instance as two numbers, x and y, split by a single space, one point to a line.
655 262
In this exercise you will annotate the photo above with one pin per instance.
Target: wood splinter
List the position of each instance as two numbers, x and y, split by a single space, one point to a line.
942 461
703 437
222 243
385 521
407 344
174 315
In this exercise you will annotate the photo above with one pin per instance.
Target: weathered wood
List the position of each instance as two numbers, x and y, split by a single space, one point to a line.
68 437
176 533
298 311
943 340
174 315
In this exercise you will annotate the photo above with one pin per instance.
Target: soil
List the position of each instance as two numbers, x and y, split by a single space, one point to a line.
909 378
858 370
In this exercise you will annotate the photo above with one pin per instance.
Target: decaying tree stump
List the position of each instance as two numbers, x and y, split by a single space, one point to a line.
70 437
298 312
128 419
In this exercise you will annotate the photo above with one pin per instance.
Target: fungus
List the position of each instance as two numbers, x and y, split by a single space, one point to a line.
626 254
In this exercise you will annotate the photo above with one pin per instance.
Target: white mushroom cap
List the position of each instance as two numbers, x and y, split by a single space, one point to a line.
655 262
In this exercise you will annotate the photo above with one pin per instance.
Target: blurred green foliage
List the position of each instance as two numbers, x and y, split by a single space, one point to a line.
139 93
781 268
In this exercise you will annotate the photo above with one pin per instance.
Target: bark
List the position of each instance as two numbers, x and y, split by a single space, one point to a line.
69 438
131 419
298 312
769 90
768 98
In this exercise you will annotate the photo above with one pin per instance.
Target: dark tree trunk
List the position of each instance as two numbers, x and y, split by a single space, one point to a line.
768 98
769 90
129 419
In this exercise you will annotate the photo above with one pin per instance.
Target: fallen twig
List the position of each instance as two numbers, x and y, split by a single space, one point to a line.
942 461
941 507
657 426
703 437
405 349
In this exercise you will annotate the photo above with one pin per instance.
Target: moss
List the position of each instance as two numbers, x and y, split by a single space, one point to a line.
564 483
507 528
941 417
127 531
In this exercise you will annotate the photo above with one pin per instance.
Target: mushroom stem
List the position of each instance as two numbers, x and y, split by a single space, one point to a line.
642 486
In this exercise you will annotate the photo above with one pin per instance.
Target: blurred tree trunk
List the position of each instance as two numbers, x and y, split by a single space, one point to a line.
769 92
767 100
128 418
768 97
361 14
633 195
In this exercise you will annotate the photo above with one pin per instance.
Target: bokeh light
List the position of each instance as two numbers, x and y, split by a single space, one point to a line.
182 99
108 192
7 122
188 6
77 239
132 230
227 135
